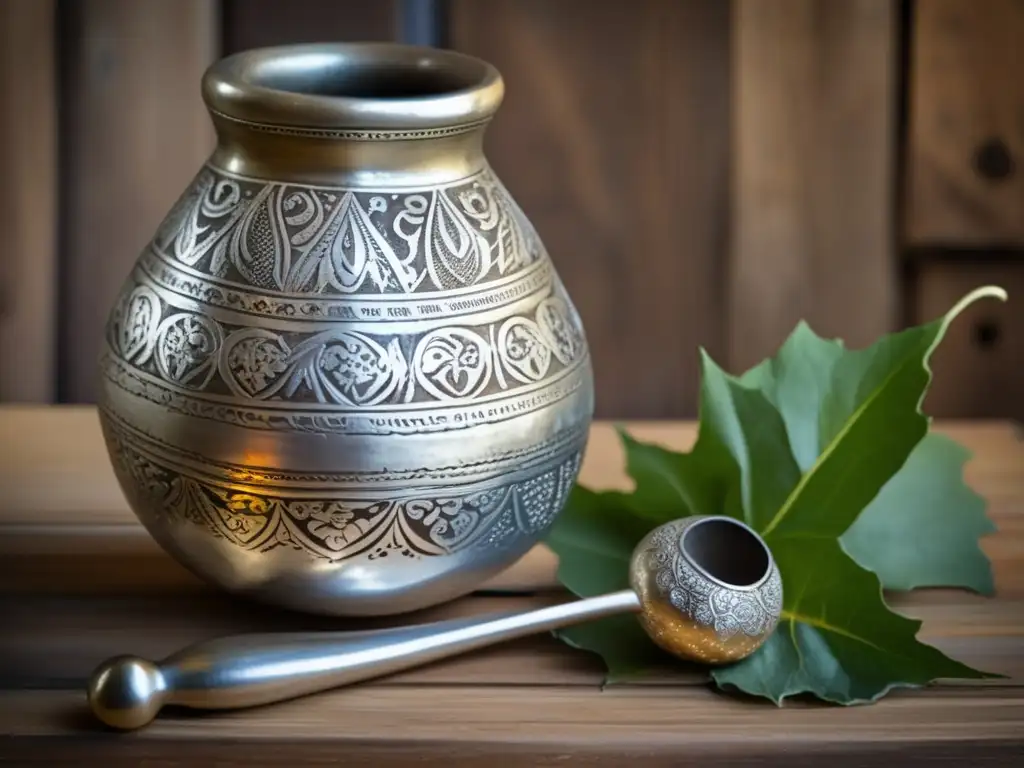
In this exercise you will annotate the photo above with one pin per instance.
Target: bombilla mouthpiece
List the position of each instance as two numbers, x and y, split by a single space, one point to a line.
127 692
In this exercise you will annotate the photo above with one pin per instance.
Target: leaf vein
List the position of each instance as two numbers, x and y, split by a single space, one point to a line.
855 417
824 625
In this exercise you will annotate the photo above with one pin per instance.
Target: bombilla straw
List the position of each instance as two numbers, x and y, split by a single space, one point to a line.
127 692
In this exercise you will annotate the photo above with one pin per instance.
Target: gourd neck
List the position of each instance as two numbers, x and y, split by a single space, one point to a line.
376 114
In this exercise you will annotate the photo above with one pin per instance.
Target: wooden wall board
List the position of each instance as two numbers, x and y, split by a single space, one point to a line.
135 133
258 23
613 138
965 148
979 367
28 201
813 183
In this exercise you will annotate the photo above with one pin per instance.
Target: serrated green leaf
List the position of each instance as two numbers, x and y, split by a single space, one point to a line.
798 448
837 639
928 493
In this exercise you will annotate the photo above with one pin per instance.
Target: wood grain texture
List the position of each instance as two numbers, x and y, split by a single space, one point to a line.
965 183
530 725
136 133
258 23
57 640
28 201
613 138
814 137
979 367
529 702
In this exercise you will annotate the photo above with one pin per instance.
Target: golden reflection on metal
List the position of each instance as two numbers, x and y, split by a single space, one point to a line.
709 588
343 376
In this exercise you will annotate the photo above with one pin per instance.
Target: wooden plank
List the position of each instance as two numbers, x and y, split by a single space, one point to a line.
814 136
65 526
136 133
258 23
56 641
965 184
979 367
529 702
524 725
28 201
68 482
613 138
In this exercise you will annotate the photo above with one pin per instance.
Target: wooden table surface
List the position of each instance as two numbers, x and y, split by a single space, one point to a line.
81 581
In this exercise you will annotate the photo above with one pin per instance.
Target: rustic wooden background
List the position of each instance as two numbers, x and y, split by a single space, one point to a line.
704 173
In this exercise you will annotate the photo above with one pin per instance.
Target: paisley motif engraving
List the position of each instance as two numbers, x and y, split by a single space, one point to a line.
359 252
294 239
560 332
452 363
264 517
456 255
200 218
752 612
493 210
133 324
523 350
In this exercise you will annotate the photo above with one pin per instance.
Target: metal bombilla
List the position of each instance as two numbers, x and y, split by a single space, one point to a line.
705 588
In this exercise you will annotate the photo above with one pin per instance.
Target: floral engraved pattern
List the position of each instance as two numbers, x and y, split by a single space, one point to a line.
356 370
728 611
343 367
186 348
264 518
305 240
253 362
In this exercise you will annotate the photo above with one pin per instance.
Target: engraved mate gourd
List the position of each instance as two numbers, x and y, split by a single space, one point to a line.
344 376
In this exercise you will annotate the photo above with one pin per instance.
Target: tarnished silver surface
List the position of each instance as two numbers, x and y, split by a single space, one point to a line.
344 376
705 588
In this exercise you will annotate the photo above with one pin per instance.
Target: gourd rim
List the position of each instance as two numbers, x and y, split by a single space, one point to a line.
381 86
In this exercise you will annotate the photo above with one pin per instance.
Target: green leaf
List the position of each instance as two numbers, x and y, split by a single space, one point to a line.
927 495
801 381
837 640
798 448
594 541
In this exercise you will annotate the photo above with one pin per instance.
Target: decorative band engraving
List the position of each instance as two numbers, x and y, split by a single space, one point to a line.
349 134
274 416
156 270
343 366
299 239
335 527
509 461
